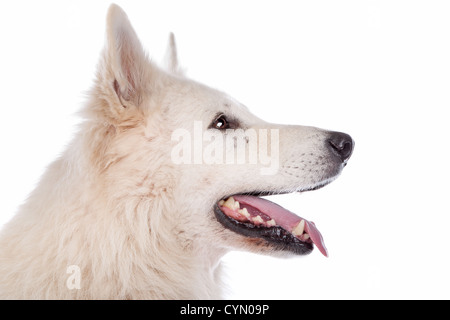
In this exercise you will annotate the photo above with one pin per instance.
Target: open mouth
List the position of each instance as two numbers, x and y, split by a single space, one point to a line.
255 217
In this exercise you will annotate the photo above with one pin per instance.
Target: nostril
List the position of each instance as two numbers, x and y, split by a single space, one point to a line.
341 144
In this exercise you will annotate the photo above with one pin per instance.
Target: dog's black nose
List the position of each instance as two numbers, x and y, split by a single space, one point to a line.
341 144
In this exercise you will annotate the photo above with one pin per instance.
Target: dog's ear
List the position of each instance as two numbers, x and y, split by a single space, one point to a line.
125 75
171 57
125 57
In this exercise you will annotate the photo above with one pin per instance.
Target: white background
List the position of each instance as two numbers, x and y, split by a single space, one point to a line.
378 70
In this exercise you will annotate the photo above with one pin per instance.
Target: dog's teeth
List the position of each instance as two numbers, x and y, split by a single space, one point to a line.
236 205
298 230
229 203
257 220
244 212
221 202
271 223
305 236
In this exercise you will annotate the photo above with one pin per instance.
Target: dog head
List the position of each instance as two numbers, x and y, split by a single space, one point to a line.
200 158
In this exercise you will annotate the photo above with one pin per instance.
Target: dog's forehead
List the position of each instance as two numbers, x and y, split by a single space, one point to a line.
225 103
231 104
187 99
204 99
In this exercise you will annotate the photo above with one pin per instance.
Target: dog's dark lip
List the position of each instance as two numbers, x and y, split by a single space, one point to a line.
277 237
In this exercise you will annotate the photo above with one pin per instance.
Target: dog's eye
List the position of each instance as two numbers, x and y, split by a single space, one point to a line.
220 123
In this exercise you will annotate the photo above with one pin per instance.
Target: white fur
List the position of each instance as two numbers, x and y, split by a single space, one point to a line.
114 204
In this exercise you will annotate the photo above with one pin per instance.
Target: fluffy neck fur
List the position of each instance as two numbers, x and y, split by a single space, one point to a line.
115 230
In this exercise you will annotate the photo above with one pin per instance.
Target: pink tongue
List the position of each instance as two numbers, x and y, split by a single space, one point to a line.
284 218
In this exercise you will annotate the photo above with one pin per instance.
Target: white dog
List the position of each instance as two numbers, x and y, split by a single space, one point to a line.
162 179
